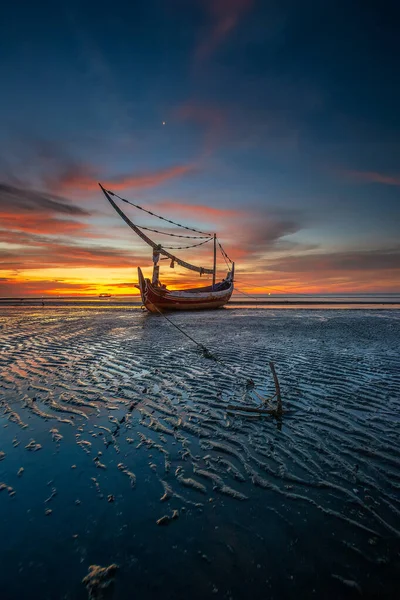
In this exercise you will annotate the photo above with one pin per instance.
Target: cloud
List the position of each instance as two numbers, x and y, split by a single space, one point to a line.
265 232
371 177
211 118
85 178
45 255
54 169
31 223
32 211
41 224
198 210
339 262
25 200
248 233
225 15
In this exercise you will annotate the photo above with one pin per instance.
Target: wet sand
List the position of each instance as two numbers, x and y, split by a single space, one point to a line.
117 448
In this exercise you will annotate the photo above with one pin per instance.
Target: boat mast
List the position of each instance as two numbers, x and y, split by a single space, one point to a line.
215 258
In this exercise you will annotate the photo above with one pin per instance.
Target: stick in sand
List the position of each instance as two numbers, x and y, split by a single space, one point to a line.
278 389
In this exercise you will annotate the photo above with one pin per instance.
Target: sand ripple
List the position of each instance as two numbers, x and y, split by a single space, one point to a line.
128 382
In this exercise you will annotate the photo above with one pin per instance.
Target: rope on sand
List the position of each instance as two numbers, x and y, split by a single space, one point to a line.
205 351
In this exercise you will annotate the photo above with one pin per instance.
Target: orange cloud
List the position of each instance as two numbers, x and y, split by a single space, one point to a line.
42 224
46 252
86 179
225 15
36 212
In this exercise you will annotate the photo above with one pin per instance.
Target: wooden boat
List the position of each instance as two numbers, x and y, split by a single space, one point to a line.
156 297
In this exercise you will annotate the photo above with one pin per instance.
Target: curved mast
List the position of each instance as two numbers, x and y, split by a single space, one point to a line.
156 247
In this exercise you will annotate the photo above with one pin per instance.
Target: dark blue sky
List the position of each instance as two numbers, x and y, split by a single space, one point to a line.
284 116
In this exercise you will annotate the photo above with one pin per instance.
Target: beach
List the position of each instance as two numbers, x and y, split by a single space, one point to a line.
117 447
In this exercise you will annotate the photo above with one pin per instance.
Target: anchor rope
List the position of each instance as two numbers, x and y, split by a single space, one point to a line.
206 352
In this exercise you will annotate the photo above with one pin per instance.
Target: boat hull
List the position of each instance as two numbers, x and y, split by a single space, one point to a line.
157 299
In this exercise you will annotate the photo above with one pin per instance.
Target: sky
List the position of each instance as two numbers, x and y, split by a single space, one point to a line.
275 124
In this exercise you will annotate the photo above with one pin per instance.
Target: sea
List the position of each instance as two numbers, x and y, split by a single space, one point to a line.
133 463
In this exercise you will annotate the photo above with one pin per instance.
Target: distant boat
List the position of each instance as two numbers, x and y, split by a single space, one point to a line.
104 295
156 297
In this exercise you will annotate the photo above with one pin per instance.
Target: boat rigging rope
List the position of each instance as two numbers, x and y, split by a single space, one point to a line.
158 216
189 237
245 293
226 262
224 254
185 247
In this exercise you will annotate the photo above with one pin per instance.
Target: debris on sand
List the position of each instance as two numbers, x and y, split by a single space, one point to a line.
2 455
33 446
20 471
98 580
